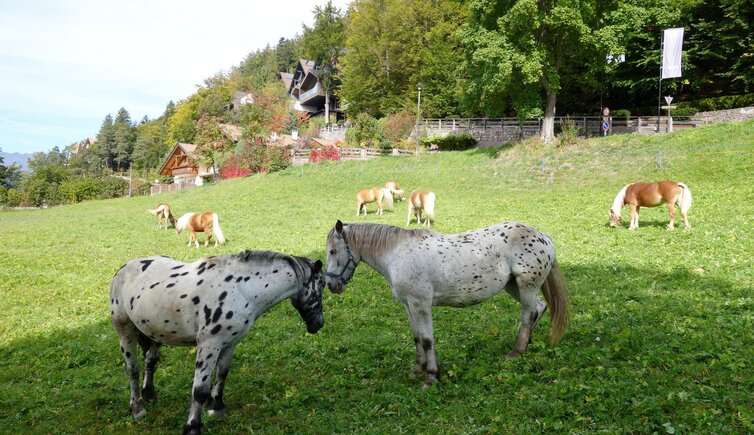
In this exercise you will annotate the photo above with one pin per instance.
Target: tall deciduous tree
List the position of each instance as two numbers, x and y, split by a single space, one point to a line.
323 44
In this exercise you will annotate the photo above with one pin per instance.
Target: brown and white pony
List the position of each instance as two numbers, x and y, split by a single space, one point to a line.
641 194
163 212
207 222
395 190
419 201
374 194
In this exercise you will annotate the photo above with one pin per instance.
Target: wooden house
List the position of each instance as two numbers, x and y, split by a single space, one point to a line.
180 164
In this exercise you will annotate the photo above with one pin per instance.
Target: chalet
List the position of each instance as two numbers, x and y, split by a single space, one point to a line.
305 90
181 166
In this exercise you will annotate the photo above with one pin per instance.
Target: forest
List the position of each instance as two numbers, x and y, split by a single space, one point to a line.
473 58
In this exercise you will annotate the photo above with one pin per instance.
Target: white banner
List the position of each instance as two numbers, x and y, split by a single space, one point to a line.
671 53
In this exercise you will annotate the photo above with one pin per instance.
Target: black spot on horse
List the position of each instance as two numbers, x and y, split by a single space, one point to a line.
228 278
184 296
222 296
229 315
246 278
239 279
275 271
174 275
132 302
154 285
216 329
199 282
207 314
170 285
146 263
196 300
177 267
216 316
211 266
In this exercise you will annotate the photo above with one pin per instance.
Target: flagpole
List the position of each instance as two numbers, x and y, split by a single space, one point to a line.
659 86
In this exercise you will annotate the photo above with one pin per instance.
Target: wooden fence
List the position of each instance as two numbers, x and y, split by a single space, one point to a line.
302 155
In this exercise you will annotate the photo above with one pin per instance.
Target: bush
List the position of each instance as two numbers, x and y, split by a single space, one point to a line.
398 126
621 113
255 157
569 132
684 111
453 142
366 132
327 152
719 103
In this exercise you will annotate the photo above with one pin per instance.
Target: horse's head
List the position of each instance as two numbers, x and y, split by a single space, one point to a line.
401 195
341 263
615 218
308 299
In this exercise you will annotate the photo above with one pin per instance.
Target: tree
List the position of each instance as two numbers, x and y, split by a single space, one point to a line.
104 148
150 147
124 137
10 176
323 43
181 124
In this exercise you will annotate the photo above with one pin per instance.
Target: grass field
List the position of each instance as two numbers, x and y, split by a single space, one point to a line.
661 322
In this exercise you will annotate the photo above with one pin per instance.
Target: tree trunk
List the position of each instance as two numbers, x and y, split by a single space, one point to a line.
548 125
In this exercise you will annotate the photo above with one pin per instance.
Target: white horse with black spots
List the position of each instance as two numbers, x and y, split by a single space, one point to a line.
210 304
426 269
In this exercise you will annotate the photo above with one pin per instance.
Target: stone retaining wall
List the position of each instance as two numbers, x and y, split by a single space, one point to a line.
730 115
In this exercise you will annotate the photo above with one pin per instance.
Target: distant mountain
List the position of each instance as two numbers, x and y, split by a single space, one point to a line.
20 159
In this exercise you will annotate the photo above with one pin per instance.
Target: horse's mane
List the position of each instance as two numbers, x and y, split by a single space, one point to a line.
181 223
378 238
298 264
618 201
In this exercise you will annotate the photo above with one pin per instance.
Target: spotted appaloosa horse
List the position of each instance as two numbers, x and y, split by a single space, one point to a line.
365 196
163 213
640 194
207 222
418 202
210 304
395 190
427 269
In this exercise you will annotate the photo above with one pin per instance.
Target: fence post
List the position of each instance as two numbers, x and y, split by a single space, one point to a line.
659 159
543 165
302 170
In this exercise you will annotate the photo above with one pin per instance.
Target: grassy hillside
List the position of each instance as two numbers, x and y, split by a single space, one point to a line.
661 333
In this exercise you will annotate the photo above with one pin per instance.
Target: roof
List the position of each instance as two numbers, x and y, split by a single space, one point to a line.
233 132
179 150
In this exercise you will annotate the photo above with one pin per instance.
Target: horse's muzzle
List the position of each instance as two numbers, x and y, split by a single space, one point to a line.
336 286
315 324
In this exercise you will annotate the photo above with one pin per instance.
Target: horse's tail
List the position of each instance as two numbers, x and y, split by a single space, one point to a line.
216 229
556 295
684 199
387 195
172 219
155 211
429 205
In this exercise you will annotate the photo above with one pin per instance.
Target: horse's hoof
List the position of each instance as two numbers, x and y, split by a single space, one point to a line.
216 413
138 414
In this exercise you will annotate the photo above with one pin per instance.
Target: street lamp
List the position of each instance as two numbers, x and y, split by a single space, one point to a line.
418 114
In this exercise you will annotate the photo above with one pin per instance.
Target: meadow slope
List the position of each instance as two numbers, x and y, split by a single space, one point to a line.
661 322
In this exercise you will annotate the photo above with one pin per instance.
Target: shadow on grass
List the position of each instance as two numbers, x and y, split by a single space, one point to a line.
635 336
492 152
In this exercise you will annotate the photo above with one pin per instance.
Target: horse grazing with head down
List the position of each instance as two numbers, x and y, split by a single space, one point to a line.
163 213
211 304
395 190
418 202
640 194
375 194
207 222
426 269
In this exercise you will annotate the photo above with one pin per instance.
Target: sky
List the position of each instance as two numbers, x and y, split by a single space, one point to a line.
66 64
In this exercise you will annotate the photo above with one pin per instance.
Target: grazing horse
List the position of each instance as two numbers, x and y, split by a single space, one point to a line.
640 194
395 190
163 212
419 201
210 304
207 222
366 196
426 269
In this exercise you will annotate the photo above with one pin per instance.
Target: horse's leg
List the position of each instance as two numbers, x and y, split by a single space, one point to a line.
421 359
208 232
206 360
410 213
529 314
151 357
634 224
128 335
512 289
671 212
420 315
216 406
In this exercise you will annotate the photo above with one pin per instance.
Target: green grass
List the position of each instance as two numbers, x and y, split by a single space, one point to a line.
660 339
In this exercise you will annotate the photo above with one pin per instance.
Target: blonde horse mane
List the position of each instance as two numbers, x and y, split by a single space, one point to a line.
618 201
376 239
181 223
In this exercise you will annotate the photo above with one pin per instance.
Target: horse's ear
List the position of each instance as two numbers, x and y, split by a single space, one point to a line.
339 226
317 266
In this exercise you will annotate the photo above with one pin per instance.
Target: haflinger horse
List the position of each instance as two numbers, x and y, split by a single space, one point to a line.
163 213
207 222
375 194
211 304
395 190
420 201
426 269
640 194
